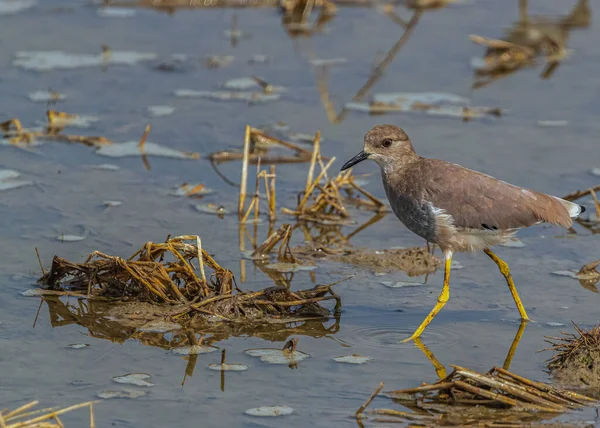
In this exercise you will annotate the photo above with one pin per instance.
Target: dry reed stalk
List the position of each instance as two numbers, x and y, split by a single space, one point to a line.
244 180
22 418
498 389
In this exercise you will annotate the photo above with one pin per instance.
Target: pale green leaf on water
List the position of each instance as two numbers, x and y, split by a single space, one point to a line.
194 350
210 208
115 12
159 326
159 111
112 203
320 62
554 324
9 180
228 367
595 171
57 60
277 356
289 267
251 97
353 359
106 167
137 379
270 411
249 83
10 7
45 96
124 393
131 148
70 238
78 345
456 266
401 284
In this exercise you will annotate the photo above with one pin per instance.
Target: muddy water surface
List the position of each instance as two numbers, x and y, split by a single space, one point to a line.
475 329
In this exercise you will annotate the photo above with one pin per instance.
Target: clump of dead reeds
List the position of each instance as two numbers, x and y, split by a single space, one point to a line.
24 417
324 199
576 358
174 273
468 398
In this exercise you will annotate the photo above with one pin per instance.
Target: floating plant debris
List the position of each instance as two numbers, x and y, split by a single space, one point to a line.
60 120
466 397
124 393
9 180
211 208
187 189
288 355
223 366
57 60
78 345
251 97
576 359
353 359
552 123
270 411
170 277
70 238
401 284
160 111
218 61
115 12
434 103
194 350
588 272
132 148
137 379
46 96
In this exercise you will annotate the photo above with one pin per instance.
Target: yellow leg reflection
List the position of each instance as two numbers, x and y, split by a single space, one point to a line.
505 271
439 368
442 298
514 345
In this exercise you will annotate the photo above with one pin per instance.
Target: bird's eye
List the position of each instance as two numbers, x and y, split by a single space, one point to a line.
386 143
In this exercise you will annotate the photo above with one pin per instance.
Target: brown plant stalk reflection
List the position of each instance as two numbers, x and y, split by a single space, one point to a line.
96 317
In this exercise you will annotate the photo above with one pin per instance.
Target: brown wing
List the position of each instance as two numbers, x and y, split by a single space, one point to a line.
479 201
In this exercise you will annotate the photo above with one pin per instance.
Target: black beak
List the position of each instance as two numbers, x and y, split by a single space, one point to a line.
361 156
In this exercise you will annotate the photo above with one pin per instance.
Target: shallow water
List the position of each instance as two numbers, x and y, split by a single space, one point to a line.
475 329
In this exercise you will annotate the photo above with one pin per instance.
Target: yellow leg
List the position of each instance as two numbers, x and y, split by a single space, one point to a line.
505 271
442 298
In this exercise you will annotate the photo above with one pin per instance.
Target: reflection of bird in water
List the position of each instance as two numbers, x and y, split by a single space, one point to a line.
528 39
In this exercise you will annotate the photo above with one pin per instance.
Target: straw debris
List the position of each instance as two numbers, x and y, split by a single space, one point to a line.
324 200
174 273
468 398
25 417
576 359
56 122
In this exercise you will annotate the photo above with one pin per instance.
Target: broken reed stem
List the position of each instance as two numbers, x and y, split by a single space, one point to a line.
40 261
144 137
244 180
200 258
257 192
580 193
313 162
362 408
310 189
